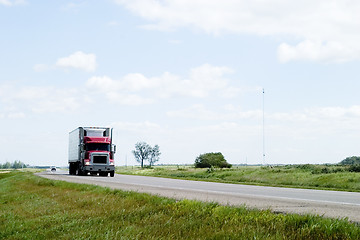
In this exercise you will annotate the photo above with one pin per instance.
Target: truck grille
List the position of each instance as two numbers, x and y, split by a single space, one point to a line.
100 159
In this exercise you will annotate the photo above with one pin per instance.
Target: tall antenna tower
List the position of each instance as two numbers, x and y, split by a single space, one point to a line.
263 126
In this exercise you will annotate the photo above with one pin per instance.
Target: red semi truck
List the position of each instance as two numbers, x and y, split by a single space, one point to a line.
91 151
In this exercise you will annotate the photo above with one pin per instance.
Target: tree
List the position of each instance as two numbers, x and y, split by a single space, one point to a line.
141 152
7 165
144 152
154 155
350 160
208 160
17 164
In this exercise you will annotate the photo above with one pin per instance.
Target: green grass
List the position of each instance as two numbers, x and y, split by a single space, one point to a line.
35 208
301 176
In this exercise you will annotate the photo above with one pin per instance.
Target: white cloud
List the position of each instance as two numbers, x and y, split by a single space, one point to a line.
15 115
197 111
306 121
325 31
316 115
5 2
78 60
60 103
317 51
200 112
12 115
139 127
202 81
138 82
102 83
31 93
128 99
206 78
118 91
19 100
12 3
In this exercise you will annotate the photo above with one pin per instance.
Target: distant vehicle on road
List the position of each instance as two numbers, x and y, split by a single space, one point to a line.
91 151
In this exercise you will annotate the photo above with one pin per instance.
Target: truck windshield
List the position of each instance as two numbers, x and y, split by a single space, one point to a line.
98 147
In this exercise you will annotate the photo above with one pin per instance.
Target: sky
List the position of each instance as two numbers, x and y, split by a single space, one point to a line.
187 75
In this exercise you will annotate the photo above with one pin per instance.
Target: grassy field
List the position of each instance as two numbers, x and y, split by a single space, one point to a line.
35 208
303 176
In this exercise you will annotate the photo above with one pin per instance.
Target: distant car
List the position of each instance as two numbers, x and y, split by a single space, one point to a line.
53 169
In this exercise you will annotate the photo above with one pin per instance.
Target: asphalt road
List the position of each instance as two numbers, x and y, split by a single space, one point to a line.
333 204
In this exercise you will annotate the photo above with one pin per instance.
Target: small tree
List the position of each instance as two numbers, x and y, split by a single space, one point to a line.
208 160
144 152
141 152
154 155
18 164
6 165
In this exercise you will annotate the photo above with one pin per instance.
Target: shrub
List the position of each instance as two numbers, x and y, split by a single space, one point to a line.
208 160
325 170
354 168
305 166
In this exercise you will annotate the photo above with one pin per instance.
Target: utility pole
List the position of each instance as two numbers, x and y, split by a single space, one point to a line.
263 126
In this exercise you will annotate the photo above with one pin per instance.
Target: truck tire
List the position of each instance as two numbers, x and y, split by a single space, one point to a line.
112 173
79 170
72 169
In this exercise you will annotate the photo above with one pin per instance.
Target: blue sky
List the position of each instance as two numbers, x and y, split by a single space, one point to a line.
186 75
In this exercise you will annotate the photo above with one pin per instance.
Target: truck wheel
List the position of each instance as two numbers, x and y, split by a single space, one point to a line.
72 169
112 173
79 171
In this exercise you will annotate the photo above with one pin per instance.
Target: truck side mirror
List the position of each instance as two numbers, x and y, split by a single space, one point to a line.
114 148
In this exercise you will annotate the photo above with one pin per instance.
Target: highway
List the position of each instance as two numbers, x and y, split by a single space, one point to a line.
332 204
